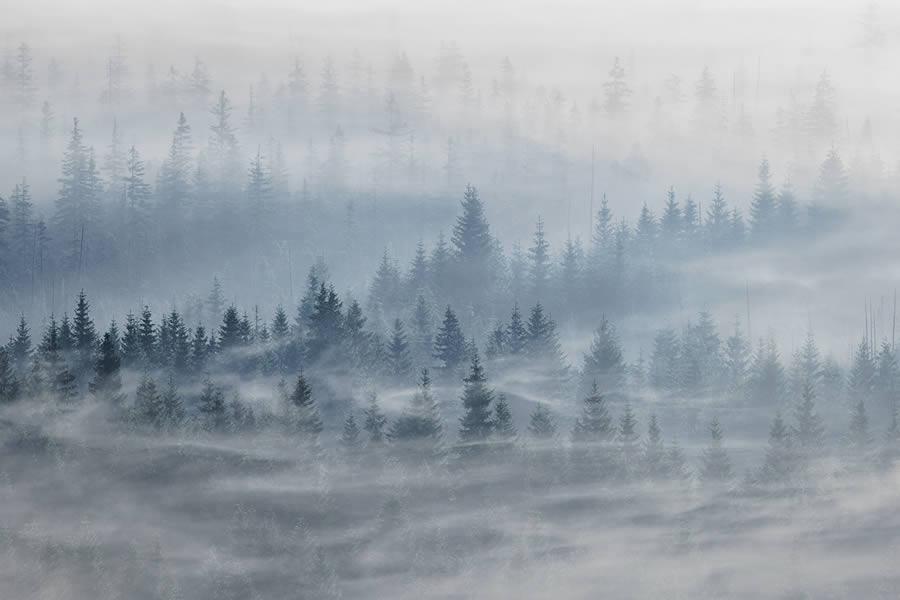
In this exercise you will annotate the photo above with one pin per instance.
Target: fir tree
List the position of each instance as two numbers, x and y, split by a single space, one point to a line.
107 382
351 440
763 209
399 362
418 429
449 343
148 406
604 362
539 254
780 463
654 453
504 429
860 439
231 334
84 332
715 466
307 421
9 385
476 422
20 346
616 91
516 332
541 425
628 441
212 406
173 413
376 421
147 337
808 429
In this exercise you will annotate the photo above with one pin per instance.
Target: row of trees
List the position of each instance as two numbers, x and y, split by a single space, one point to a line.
72 360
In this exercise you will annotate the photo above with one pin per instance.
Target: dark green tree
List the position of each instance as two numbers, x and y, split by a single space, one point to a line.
399 362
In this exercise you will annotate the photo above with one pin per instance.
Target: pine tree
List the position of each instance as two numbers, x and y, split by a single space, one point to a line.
592 435
808 430
351 440
516 332
107 382
281 329
20 347
502 424
449 343
476 423
543 346
148 406
173 412
215 302
131 345
780 464
84 332
307 421
860 439
718 220
539 254
715 465
200 349
670 223
764 206
604 362
230 332
830 194
473 244
616 91
418 429
375 422
399 362
541 425
326 323
665 360
628 441
654 452
212 406
147 337
9 384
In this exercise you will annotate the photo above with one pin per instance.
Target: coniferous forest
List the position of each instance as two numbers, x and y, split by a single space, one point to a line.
338 310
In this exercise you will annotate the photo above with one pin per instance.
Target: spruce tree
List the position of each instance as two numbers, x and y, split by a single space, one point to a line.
147 337
808 429
148 403
173 413
516 332
131 342
628 441
418 429
107 383
9 384
653 458
541 425
715 466
604 363
376 421
351 440
306 413
476 422
212 406
763 208
84 333
326 324
860 438
539 255
399 361
780 465
504 429
20 346
449 343
231 334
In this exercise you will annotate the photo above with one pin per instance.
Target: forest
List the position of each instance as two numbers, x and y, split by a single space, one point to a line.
436 321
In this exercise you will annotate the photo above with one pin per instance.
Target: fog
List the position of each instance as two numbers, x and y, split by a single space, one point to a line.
481 300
